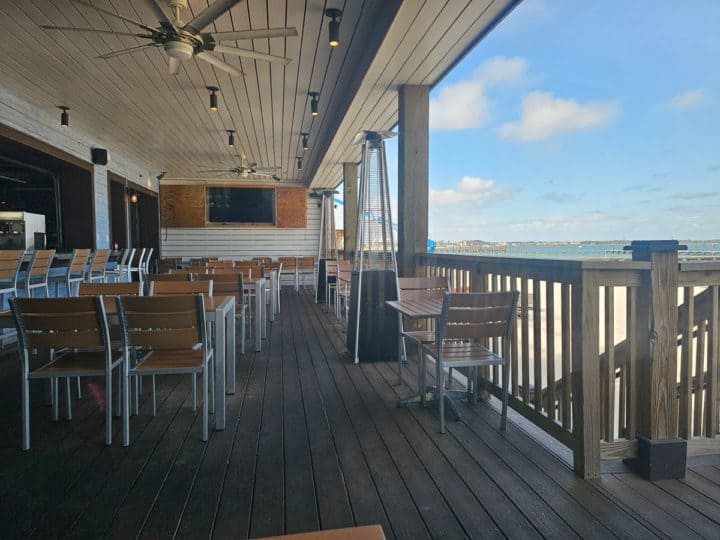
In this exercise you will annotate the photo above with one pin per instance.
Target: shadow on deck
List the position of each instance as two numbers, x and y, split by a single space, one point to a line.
313 442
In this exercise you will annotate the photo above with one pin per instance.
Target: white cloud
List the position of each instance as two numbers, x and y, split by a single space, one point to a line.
469 189
545 116
463 105
687 100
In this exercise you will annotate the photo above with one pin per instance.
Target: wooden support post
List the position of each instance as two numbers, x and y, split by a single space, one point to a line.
413 183
586 375
350 208
661 455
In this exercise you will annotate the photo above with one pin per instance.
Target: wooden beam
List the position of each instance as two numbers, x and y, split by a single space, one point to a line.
413 175
350 208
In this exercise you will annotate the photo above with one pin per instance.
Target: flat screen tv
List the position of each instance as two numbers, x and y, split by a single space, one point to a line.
241 205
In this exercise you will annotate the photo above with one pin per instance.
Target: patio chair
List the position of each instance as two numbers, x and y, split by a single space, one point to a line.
10 262
74 333
306 266
411 288
231 284
108 291
121 269
466 321
135 264
73 273
38 270
170 333
145 266
289 268
98 265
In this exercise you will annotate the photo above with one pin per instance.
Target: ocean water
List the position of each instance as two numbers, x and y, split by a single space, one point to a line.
575 250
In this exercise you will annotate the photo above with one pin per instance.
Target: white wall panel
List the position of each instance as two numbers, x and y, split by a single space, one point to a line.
244 242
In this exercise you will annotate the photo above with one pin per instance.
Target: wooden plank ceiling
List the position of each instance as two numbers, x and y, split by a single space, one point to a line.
134 107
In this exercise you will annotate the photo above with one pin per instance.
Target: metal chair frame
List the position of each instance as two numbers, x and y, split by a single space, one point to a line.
168 338
75 333
467 320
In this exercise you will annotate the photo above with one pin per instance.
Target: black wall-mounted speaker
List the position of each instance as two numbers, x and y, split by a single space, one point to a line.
99 156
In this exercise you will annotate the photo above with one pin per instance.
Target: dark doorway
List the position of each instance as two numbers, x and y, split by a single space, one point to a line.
145 223
32 180
118 212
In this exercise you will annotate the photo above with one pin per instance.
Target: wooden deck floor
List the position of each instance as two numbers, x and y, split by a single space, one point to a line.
316 442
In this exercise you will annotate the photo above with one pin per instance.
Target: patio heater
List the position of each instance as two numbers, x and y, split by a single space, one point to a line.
372 327
327 248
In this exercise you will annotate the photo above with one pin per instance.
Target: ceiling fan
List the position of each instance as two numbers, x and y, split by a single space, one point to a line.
183 40
245 170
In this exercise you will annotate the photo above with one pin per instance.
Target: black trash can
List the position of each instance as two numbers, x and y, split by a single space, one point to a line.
378 336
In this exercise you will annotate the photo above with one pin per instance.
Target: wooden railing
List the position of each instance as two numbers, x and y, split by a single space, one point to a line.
582 330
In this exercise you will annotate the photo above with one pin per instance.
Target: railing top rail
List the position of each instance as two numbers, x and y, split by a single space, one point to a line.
564 264
697 266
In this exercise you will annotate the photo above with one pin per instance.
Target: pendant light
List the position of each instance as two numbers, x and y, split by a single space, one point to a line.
64 116
314 102
305 146
213 97
334 26
231 137
299 163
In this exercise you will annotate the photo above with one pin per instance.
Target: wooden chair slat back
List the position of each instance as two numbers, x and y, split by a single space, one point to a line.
423 283
41 262
331 268
262 261
100 260
10 261
228 285
51 323
158 322
109 289
305 263
219 264
179 276
478 315
287 262
79 260
165 288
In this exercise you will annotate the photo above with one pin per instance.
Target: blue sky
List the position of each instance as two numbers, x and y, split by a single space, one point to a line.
581 120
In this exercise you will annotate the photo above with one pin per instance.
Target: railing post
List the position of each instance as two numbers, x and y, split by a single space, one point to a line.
661 454
586 375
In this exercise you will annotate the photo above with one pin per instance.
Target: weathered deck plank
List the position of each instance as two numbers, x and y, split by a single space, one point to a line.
313 441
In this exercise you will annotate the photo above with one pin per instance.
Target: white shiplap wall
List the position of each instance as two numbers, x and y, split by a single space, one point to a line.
244 242
21 115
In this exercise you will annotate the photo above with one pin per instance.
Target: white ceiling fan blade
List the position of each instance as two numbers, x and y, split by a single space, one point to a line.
126 51
93 30
224 49
215 61
111 14
209 14
254 34
162 17
173 65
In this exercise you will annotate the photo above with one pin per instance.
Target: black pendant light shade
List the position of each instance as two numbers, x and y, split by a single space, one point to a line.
305 145
64 116
231 137
314 102
334 26
213 97
299 163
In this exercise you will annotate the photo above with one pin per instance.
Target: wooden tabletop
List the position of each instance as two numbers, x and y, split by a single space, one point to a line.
418 308
368 532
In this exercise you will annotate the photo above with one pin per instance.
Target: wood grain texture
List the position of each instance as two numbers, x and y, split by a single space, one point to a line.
291 207
182 206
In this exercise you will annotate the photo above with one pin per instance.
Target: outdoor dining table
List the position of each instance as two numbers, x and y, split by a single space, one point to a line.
420 307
